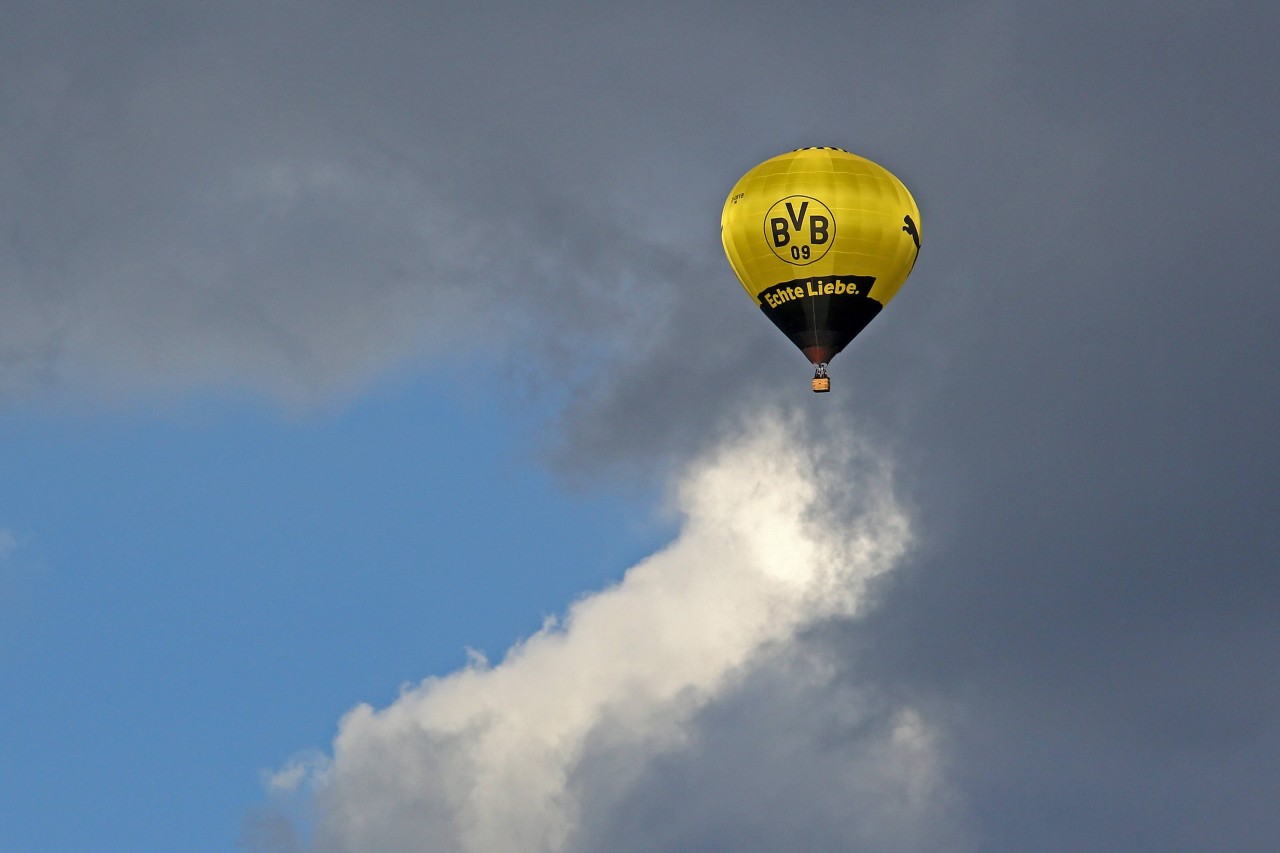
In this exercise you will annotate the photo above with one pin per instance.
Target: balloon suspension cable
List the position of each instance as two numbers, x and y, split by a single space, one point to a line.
821 382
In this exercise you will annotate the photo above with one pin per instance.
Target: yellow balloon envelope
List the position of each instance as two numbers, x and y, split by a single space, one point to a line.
822 239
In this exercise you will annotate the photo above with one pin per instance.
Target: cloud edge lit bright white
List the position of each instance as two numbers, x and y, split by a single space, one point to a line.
779 531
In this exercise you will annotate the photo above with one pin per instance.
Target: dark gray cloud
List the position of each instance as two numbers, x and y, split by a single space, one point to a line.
1093 619
295 198
1078 381
787 760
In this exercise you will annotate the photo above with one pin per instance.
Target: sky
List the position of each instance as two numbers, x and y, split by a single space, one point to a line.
390 461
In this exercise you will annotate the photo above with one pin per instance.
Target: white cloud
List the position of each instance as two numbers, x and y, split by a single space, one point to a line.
8 542
309 765
502 758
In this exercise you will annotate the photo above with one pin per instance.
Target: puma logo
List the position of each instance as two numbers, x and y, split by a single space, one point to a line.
910 228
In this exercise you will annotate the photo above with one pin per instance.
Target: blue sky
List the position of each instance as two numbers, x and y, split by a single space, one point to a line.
200 588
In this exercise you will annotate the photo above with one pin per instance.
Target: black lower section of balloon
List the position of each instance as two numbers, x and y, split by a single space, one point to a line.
821 315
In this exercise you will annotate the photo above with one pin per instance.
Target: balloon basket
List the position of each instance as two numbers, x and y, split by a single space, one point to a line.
821 382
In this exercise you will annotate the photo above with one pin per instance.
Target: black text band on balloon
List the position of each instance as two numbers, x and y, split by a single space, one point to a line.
826 285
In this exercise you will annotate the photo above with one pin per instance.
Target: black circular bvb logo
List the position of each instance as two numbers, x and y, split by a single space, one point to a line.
799 229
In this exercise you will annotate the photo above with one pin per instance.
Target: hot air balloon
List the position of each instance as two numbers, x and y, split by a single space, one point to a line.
822 239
